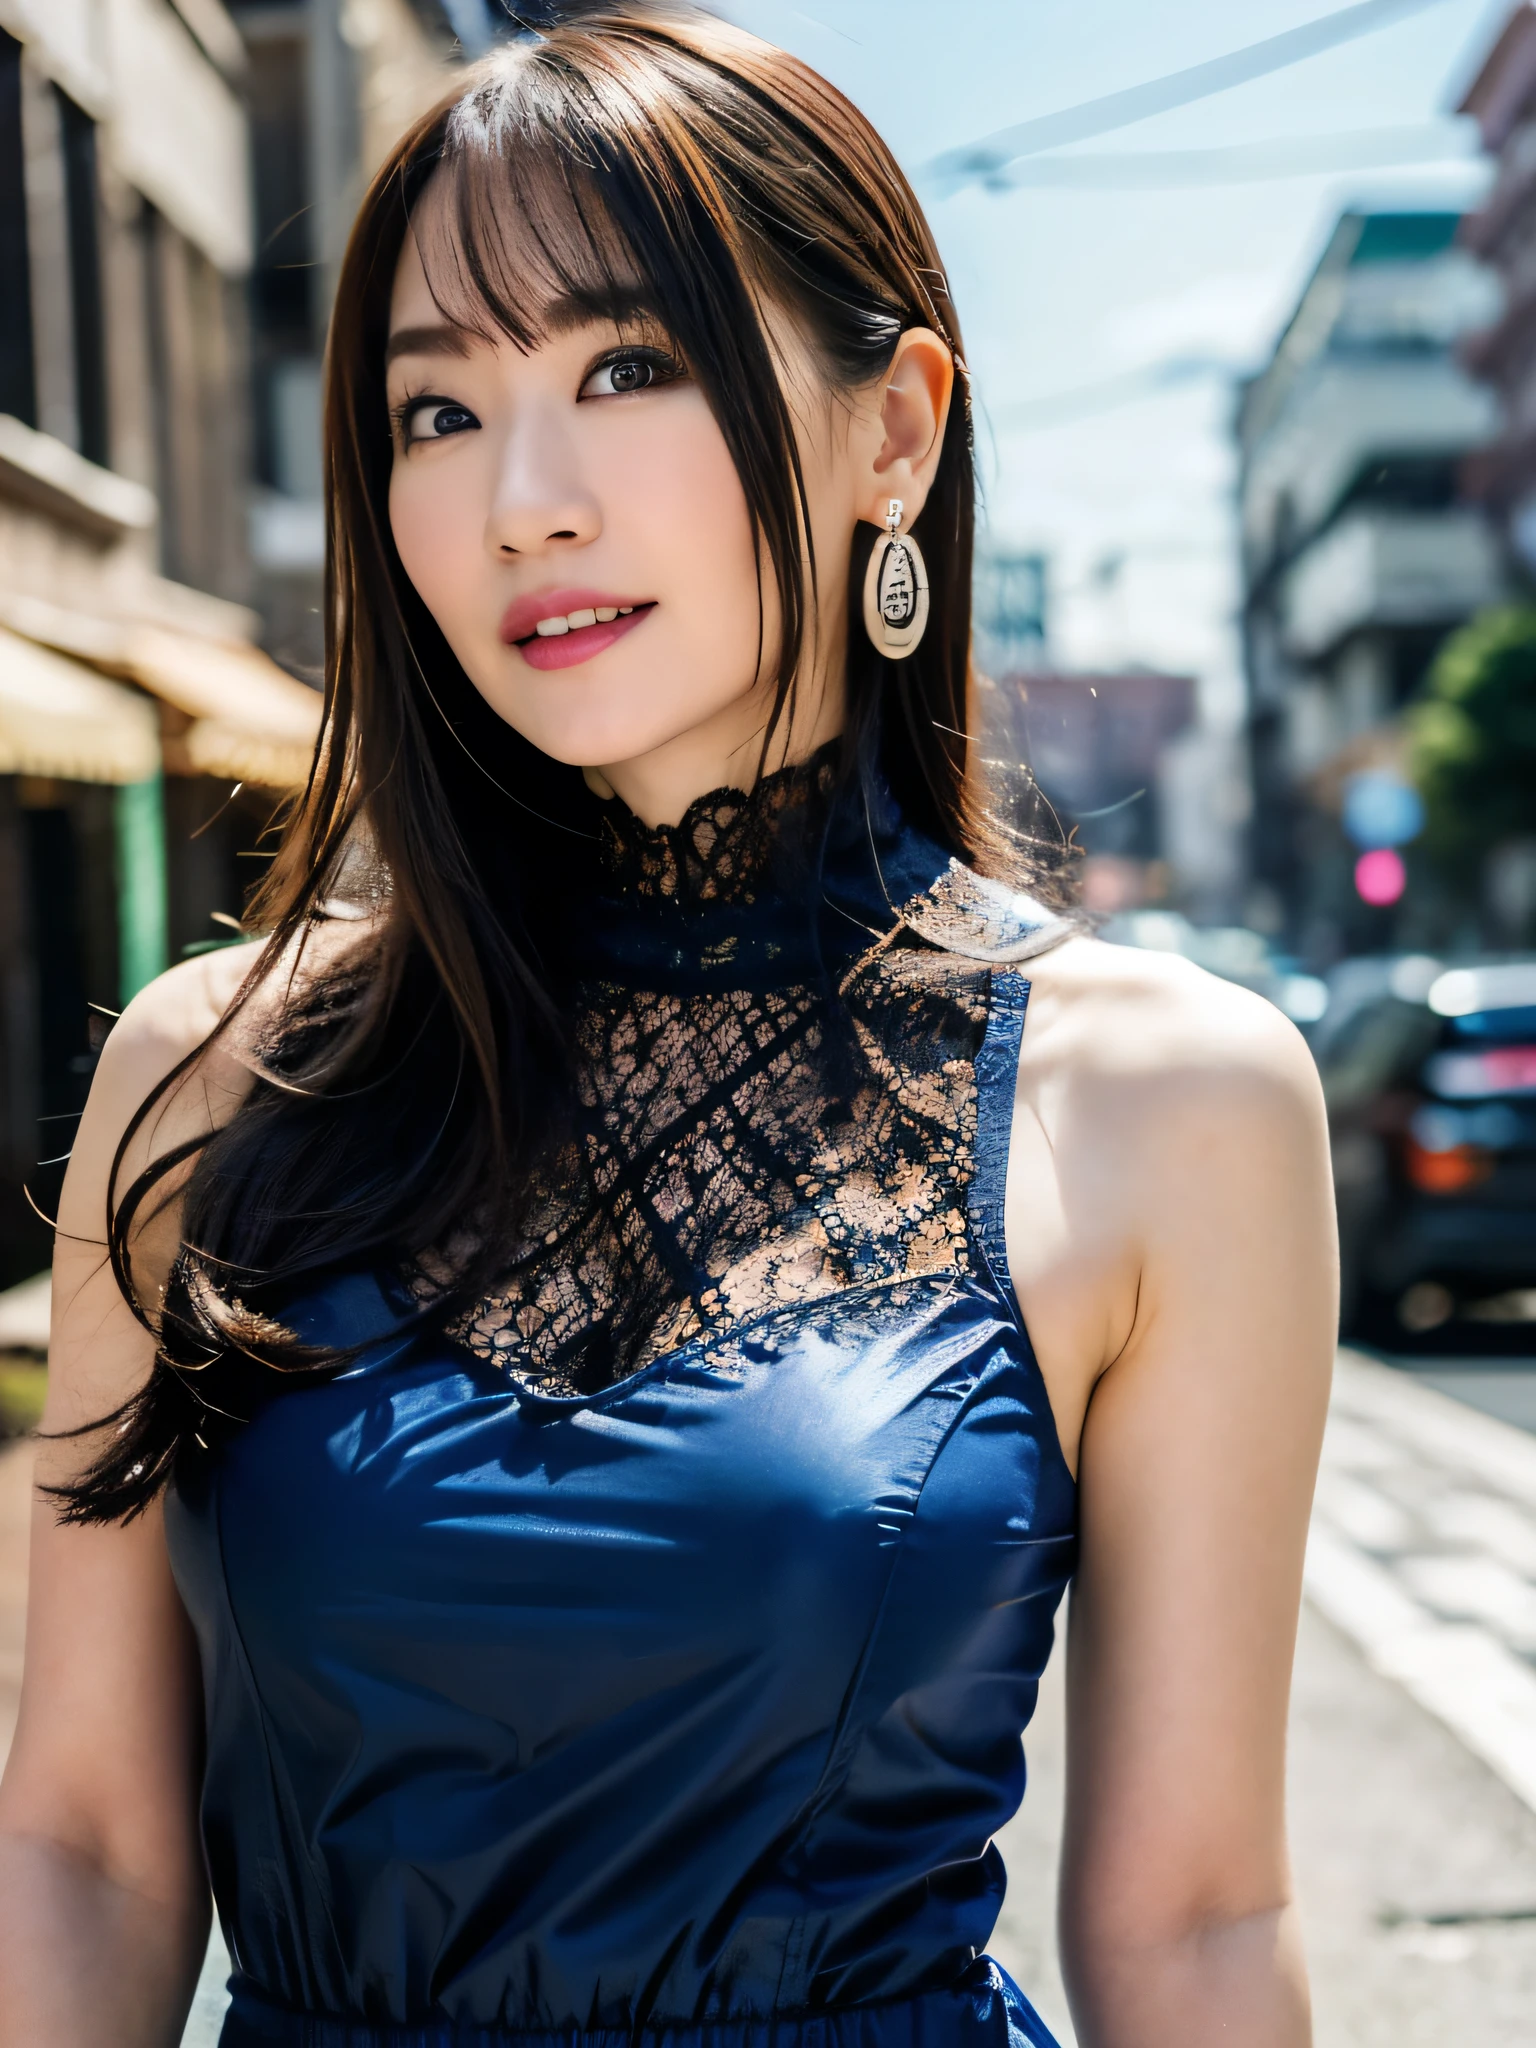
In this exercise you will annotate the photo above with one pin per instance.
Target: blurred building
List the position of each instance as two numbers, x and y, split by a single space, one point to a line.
144 739
1502 98
330 85
1009 609
1097 748
1361 546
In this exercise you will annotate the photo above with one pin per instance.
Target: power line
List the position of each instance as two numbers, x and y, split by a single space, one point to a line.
1242 163
982 161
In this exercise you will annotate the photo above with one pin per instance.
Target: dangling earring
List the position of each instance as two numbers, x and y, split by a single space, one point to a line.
895 590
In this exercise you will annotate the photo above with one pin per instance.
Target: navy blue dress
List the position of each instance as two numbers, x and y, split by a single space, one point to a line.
645 1658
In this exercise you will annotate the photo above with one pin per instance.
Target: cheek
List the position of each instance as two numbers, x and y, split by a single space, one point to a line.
435 515
685 507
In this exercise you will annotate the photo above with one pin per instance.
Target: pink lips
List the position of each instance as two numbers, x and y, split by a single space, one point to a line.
566 650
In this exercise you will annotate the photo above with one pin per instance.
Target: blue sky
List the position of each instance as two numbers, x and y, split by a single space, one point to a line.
1059 289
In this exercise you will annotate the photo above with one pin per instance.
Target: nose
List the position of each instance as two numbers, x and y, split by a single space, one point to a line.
540 501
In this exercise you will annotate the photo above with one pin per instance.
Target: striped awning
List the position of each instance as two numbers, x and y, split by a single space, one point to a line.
250 720
60 718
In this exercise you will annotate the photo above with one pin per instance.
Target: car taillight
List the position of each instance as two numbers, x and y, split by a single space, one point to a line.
1501 1070
1447 1172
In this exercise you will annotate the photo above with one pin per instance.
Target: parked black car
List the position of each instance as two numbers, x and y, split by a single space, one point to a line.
1430 1078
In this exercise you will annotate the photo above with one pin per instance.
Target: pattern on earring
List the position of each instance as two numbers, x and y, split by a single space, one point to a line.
895 590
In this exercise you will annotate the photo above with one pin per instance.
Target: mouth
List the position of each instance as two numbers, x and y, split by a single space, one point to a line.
561 628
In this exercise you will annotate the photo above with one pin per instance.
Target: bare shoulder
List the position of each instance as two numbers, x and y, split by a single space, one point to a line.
172 1017
180 1014
186 1052
1157 1102
1157 1032
1168 1171
162 1027
98 1353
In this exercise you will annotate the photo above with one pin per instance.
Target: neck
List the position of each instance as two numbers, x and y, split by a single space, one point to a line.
724 751
785 885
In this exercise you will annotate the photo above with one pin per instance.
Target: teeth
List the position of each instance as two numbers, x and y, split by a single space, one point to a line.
572 622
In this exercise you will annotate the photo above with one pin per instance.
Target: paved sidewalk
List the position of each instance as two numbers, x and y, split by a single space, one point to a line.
1423 1551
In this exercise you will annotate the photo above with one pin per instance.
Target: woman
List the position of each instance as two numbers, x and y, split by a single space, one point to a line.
578 1521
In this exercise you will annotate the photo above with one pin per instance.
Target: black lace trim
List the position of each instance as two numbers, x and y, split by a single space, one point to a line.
723 847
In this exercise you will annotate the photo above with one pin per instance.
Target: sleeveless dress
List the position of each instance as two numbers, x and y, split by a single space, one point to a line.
644 1660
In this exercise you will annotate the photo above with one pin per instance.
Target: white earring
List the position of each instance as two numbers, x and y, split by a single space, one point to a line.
895 590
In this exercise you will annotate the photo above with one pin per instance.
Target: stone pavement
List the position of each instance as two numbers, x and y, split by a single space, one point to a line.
1413 1736
1423 1551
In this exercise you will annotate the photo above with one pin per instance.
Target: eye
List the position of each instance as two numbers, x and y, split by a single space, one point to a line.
630 370
433 419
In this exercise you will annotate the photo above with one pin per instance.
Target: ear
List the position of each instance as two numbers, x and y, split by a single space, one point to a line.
914 400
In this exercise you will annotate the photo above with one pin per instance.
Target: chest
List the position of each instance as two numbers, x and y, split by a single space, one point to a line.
737 1524
735 1151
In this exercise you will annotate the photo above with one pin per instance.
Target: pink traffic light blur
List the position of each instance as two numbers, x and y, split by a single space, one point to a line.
1380 876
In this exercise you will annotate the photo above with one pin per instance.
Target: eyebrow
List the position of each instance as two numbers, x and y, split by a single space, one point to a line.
622 305
440 338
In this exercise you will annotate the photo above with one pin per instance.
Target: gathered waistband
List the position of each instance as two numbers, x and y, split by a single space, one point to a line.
985 2010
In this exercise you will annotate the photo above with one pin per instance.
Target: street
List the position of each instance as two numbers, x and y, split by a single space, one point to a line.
1413 1726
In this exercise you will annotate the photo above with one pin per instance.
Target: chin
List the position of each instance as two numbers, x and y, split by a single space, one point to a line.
592 722
587 740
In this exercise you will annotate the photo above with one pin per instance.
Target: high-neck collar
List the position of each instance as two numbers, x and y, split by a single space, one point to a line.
787 882
729 844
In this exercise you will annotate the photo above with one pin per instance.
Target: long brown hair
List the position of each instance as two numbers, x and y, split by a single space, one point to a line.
643 154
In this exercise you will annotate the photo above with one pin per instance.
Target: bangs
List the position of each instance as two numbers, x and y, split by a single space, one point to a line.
621 175
562 196
518 245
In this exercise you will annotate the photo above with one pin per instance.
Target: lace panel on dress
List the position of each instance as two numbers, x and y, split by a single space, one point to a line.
736 1151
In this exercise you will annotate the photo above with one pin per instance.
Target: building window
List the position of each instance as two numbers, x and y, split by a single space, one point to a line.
162 384
82 213
18 370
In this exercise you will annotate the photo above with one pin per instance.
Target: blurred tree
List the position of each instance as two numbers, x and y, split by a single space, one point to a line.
1472 738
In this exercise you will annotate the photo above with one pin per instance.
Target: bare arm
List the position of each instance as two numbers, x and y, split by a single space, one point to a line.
1188 1162
103 1896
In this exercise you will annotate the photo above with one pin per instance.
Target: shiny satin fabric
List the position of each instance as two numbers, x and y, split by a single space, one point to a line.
698 1701
680 1713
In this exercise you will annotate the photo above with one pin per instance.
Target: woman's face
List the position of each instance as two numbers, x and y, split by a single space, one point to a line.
572 519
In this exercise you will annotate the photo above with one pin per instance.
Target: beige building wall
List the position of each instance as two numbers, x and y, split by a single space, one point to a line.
67 38
172 122
177 130
144 738
402 73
